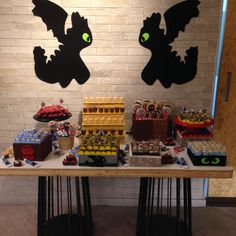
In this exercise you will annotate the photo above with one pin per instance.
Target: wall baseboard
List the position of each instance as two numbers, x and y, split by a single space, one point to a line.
221 201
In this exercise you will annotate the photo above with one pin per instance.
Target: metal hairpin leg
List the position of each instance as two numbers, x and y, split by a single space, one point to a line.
41 205
87 205
60 212
189 190
140 227
157 215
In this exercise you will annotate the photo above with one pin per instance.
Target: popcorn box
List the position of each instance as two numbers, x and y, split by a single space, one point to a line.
33 151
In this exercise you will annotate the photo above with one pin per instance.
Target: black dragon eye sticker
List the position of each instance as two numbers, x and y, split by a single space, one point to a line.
164 65
73 41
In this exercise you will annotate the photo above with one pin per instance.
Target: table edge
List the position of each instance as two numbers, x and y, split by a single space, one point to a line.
226 172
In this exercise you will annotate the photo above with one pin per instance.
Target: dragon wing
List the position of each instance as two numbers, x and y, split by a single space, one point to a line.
178 16
53 16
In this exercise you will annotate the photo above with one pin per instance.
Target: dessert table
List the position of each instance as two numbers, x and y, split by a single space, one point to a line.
52 166
164 196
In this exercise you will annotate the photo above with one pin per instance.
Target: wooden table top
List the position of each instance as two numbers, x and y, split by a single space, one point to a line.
52 166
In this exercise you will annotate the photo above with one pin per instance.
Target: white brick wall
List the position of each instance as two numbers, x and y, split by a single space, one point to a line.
115 60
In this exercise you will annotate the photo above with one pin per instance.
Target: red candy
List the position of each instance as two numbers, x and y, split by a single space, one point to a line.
52 111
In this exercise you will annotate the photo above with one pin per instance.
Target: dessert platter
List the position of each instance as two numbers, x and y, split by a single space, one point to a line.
99 145
151 153
52 112
193 125
193 119
151 147
99 150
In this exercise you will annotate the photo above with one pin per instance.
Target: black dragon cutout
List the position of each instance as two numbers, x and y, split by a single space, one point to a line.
66 64
164 64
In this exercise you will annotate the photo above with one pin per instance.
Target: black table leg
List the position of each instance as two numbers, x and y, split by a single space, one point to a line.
177 207
157 213
41 205
60 212
87 205
142 206
189 207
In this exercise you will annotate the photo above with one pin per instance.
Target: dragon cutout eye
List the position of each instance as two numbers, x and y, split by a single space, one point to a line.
215 161
145 37
86 37
204 161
